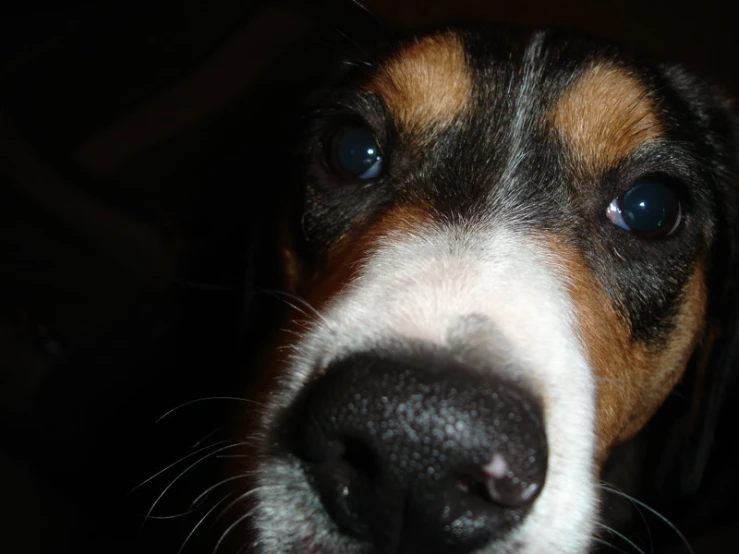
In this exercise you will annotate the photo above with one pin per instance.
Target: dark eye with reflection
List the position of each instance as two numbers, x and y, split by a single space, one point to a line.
649 209
353 153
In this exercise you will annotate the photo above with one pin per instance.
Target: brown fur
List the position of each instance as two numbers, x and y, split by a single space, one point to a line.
316 287
604 114
426 84
603 117
633 378
341 262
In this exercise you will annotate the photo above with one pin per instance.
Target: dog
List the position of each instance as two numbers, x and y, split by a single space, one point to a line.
503 250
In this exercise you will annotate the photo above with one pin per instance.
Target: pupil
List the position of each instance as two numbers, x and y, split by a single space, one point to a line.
649 206
356 150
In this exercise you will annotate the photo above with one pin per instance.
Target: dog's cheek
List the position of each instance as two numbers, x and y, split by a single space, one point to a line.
605 340
633 378
344 258
663 366
312 287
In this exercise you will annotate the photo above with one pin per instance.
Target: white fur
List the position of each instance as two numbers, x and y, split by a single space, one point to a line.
471 290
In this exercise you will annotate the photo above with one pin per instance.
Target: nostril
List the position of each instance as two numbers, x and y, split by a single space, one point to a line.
505 487
345 472
498 483
359 456
472 485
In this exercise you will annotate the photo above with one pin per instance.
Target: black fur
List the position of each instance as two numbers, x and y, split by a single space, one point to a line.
463 171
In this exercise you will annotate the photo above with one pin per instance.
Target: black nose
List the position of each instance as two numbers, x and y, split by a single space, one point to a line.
419 453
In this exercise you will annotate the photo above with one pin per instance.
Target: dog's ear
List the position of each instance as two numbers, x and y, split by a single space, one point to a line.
716 361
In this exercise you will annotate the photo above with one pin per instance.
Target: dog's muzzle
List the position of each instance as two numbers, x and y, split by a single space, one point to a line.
418 452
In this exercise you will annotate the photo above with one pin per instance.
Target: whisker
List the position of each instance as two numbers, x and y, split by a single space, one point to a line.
170 466
202 519
185 471
173 516
608 487
651 510
236 501
279 296
287 297
287 331
210 489
356 45
228 531
207 436
233 456
365 9
622 537
244 517
205 399
608 544
357 63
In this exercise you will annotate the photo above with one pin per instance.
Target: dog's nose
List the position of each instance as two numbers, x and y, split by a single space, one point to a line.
419 453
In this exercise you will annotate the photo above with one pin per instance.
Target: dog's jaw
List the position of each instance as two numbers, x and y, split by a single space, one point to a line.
492 295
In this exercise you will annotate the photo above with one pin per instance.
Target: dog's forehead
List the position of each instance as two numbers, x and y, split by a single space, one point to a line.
513 89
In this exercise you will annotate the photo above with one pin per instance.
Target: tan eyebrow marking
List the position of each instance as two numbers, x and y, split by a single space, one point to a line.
603 117
426 83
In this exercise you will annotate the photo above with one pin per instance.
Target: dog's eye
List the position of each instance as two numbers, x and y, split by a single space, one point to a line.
354 153
649 209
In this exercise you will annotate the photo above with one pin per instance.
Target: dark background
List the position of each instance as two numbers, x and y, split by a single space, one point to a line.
140 153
